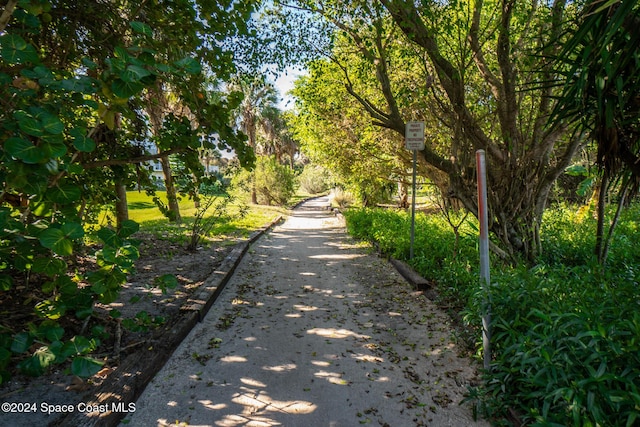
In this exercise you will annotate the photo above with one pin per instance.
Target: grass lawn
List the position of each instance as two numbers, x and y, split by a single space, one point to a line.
143 210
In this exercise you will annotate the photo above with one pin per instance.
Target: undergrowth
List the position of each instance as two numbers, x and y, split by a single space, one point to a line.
565 331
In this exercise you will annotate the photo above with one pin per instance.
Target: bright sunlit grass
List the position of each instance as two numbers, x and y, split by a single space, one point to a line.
143 210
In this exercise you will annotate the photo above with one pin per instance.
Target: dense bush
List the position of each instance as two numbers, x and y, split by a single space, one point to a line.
47 131
273 182
436 256
314 179
75 102
566 333
566 347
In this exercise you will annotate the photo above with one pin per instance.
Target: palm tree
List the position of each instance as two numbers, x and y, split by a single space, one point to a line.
600 63
259 97
277 140
157 107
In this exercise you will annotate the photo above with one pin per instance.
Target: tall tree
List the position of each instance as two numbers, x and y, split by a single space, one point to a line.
334 133
277 137
258 97
482 67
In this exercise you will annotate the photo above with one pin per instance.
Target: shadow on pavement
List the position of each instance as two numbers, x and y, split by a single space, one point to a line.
313 331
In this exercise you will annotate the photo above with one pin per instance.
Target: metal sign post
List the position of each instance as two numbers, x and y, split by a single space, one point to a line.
483 218
414 141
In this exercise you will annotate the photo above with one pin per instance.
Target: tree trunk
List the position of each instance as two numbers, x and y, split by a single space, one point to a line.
6 14
523 159
403 194
172 198
621 202
157 107
503 112
122 210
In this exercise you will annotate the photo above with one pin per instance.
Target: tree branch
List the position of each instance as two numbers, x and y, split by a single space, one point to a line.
6 14
508 108
406 16
478 56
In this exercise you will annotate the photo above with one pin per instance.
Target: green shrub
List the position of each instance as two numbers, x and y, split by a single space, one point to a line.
566 334
566 348
314 179
274 183
342 198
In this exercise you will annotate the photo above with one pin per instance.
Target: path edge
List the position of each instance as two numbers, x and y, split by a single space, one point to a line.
114 397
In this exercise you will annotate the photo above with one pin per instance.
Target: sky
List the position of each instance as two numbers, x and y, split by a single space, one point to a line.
284 83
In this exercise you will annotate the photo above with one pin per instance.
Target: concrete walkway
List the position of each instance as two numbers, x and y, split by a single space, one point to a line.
313 330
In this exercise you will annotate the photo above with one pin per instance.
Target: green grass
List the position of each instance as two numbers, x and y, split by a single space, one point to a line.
143 210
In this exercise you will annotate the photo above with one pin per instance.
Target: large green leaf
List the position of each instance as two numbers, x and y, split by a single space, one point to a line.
66 286
54 147
82 345
98 279
134 73
57 241
141 28
50 309
125 262
99 287
81 142
51 124
109 296
109 254
127 228
85 367
190 65
53 332
109 237
130 252
62 351
37 364
21 342
13 41
73 230
30 125
124 89
24 150
65 193
49 266
15 50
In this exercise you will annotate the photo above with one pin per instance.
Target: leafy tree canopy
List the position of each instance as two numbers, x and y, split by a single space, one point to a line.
73 77
474 72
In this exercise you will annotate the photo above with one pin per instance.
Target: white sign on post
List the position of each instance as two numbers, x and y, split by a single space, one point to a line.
414 136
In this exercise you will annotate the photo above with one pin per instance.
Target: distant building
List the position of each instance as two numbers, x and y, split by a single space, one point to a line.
211 161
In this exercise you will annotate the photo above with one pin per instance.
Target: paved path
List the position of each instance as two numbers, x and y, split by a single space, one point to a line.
312 330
